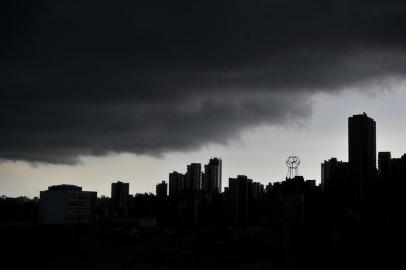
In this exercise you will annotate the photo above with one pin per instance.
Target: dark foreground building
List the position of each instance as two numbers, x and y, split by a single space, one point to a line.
362 157
67 204
161 190
212 176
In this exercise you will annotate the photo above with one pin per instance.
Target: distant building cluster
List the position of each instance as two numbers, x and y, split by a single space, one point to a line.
195 180
196 197
358 183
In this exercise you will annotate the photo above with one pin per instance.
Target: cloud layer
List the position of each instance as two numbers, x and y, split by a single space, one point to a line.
157 76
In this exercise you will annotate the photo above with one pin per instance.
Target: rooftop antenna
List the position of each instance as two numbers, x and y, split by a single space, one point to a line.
293 163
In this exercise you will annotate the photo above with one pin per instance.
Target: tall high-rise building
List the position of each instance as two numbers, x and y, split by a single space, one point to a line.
384 164
398 169
67 204
257 190
162 190
391 170
212 176
362 156
176 183
240 195
120 193
391 180
193 177
335 180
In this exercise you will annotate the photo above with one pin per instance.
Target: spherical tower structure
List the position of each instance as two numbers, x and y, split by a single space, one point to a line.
293 163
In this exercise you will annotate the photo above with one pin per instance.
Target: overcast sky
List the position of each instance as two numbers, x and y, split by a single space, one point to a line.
98 91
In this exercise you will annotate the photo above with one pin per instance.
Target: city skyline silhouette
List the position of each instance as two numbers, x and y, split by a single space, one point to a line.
279 164
282 168
356 198
197 177
223 134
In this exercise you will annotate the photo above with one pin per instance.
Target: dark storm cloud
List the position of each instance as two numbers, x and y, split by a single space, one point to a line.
97 77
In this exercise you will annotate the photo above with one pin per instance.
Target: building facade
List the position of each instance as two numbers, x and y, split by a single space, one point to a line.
119 193
212 176
240 196
67 204
162 190
362 156
176 183
193 177
335 181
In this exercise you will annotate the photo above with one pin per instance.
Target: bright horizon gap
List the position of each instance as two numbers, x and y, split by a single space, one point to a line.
325 137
